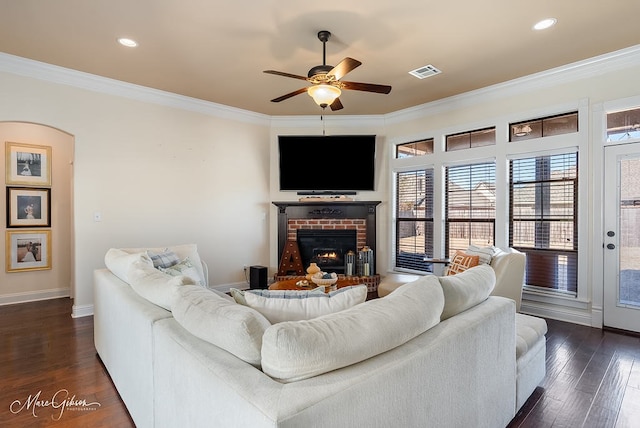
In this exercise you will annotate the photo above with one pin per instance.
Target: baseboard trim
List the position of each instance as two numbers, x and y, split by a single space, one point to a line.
559 313
78 311
34 296
224 288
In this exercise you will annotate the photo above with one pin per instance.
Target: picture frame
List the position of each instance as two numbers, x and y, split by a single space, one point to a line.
28 250
27 164
28 207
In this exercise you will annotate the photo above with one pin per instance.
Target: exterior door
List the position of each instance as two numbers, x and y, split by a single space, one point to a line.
622 237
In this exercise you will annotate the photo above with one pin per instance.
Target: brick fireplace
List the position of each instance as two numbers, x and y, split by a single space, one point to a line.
358 216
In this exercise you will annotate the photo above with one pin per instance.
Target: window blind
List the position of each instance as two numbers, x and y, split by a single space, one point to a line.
543 218
470 206
414 219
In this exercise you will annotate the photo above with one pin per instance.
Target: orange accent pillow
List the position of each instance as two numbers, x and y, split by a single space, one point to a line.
461 262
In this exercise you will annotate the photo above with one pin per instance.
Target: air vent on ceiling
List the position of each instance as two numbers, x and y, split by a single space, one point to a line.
425 71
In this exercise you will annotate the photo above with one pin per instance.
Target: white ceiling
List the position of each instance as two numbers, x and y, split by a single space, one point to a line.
217 50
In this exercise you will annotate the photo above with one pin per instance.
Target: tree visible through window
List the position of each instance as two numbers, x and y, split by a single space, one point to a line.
543 218
414 219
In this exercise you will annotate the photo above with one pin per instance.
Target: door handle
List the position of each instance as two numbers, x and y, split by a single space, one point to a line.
611 246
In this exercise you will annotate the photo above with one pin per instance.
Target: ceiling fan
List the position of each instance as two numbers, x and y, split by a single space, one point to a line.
325 79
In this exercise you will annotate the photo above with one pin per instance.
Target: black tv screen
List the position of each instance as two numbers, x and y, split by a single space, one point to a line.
336 163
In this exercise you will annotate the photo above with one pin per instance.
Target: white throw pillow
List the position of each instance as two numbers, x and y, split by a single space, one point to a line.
466 289
155 286
235 328
292 305
119 261
298 350
485 254
238 295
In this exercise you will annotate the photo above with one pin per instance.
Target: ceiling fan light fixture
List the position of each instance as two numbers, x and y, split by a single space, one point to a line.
324 95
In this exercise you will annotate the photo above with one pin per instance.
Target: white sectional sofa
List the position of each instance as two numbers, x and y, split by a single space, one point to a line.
417 367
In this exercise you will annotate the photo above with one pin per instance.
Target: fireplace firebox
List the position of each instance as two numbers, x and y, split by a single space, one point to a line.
326 248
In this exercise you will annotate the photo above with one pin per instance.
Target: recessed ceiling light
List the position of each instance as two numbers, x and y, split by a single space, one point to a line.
127 42
545 23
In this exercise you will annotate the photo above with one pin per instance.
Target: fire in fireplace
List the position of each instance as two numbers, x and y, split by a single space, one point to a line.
326 256
326 248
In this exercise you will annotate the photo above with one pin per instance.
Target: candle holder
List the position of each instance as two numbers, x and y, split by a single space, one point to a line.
350 263
365 262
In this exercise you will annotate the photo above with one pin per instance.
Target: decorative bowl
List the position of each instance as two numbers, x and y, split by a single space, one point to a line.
324 282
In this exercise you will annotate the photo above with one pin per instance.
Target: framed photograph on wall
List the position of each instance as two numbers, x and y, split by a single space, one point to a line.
28 207
28 250
28 164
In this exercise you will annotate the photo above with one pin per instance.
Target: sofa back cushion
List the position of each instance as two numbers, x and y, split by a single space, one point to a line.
466 289
155 286
118 260
298 350
295 305
221 321
509 267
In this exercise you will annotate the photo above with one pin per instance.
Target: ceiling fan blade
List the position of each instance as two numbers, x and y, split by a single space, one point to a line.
336 105
367 87
281 73
289 95
345 66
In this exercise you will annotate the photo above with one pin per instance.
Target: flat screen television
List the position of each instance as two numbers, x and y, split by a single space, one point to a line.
327 164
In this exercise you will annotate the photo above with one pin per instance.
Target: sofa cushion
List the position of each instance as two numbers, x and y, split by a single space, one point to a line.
186 268
529 330
163 259
292 305
466 289
461 262
485 254
235 328
155 286
118 260
238 295
298 350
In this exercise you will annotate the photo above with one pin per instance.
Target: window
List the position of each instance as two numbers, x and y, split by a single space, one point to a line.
544 127
623 125
543 219
414 219
415 148
469 139
470 206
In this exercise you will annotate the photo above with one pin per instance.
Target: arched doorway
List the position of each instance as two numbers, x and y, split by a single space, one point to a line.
22 282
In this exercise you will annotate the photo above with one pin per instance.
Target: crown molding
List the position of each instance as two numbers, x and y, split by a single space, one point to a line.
65 76
592 67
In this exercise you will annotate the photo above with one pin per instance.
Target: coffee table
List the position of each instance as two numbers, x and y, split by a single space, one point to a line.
290 284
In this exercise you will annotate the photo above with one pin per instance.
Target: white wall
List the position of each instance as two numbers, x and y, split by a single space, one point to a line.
159 175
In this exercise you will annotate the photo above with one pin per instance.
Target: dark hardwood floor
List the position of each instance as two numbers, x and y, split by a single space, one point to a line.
593 376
